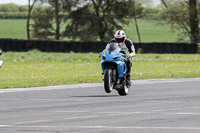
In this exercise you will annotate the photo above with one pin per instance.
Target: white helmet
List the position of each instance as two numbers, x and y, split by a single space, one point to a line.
120 37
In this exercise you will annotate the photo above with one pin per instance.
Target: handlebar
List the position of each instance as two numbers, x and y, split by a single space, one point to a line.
126 56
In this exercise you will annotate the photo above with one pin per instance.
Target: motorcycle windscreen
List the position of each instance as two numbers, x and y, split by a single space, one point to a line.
113 47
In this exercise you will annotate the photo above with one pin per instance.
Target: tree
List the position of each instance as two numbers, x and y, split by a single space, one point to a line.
146 3
194 21
98 19
47 22
136 10
43 23
30 7
57 20
183 16
44 20
23 8
9 8
56 4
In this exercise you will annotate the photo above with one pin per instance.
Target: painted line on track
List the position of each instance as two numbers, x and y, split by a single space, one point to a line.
81 117
27 122
5 126
114 127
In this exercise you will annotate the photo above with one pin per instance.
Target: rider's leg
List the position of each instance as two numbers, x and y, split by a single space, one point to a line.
128 73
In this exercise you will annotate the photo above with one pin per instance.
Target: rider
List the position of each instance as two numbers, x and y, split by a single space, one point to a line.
126 46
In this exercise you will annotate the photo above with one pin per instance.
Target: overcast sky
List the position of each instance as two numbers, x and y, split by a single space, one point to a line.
25 2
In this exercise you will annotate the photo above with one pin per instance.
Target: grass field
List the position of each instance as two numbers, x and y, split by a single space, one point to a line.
36 68
150 31
13 28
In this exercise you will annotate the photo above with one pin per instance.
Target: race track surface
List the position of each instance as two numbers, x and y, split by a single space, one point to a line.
152 106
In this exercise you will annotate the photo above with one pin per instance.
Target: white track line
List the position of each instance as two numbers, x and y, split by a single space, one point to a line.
5 126
113 127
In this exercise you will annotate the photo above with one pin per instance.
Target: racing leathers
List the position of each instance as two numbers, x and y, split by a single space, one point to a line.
128 48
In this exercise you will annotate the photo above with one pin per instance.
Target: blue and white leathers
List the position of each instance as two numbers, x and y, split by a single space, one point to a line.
112 55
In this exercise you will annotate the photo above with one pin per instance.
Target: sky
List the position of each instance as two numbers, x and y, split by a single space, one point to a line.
25 2
19 2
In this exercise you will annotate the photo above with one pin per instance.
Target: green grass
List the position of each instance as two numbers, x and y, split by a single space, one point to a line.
13 28
34 68
149 30
166 66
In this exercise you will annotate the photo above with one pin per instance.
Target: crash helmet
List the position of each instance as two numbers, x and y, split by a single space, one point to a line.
120 37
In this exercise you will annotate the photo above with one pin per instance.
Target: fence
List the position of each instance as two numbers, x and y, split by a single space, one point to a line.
96 47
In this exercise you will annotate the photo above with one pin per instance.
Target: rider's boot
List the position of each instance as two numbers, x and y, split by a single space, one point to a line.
128 73
128 79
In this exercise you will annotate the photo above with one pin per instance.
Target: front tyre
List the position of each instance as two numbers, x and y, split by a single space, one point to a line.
108 83
124 90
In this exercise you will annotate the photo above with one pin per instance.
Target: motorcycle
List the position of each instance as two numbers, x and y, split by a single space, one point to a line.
114 69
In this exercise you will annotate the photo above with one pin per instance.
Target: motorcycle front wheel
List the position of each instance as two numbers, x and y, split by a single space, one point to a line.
108 83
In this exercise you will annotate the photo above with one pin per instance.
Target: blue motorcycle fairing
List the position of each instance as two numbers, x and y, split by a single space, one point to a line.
114 57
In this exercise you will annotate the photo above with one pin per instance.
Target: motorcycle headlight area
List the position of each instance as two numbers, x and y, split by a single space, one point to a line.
103 56
115 55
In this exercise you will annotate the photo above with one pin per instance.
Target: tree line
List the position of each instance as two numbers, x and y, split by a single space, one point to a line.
89 20
12 11
85 20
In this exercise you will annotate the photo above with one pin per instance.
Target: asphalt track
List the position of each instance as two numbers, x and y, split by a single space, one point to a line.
152 106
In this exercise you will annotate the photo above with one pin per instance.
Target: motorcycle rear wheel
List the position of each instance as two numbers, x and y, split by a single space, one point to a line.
124 90
108 83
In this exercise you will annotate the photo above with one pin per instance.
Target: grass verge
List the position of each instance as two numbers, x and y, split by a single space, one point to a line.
35 68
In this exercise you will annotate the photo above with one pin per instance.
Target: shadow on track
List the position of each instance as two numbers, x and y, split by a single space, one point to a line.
98 96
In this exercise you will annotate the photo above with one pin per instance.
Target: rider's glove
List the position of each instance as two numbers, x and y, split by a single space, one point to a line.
131 55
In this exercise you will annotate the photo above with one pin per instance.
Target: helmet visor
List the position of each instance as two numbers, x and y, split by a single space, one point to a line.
119 40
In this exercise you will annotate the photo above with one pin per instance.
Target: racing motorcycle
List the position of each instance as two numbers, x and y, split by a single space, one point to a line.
114 69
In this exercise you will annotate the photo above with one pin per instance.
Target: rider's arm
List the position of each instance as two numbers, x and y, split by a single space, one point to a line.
130 47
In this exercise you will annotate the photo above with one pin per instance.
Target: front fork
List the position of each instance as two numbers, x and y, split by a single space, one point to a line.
113 75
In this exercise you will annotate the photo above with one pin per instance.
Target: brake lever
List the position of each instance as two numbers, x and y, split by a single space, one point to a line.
100 54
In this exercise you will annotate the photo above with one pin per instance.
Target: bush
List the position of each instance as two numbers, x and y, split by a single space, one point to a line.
151 13
13 15
9 8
